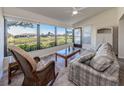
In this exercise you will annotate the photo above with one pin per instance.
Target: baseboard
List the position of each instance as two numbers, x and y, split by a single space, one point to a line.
121 59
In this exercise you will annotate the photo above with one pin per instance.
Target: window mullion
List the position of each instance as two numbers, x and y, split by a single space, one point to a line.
73 36
5 37
55 36
66 35
38 36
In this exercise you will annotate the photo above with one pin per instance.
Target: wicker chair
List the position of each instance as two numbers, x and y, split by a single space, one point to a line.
32 76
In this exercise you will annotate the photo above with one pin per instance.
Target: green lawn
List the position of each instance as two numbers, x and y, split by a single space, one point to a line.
29 44
47 42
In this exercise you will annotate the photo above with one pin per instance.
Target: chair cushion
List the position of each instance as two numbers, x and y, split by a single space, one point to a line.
86 57
101 63
40 65
87 62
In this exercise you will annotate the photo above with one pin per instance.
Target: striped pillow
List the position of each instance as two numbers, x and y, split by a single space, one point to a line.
101 63
86 57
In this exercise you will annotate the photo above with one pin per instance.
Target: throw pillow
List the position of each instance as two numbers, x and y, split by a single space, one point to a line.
86 57
98 46
101 63
40 66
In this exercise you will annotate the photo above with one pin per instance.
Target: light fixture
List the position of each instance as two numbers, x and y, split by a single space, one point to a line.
75 12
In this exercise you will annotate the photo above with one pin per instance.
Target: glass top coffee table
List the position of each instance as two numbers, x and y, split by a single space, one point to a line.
67 53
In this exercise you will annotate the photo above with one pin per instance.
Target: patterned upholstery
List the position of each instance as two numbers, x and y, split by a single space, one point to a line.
101 63
86 57
82 74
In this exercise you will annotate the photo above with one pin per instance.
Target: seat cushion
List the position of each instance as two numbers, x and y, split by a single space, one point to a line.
101 63
41 65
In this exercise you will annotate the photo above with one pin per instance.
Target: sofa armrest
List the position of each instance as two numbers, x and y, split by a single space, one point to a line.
81 71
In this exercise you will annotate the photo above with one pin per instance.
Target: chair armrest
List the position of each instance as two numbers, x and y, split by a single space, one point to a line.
37 59
47 73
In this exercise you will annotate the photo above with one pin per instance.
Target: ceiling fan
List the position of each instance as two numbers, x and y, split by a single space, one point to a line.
76 10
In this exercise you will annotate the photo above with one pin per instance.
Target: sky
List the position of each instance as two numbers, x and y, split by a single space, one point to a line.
17 30
21 30
47 28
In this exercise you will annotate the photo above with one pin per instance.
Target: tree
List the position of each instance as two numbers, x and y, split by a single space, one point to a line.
18 23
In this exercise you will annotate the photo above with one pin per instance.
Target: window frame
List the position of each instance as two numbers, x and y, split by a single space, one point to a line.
5 37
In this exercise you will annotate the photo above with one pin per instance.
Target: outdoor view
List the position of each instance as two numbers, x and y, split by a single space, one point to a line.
69 33
24 35
47 36
61 36
77 36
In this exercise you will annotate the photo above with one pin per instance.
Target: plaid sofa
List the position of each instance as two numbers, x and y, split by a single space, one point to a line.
84 75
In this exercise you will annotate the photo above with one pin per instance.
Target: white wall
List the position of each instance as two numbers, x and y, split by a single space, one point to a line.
1 42
120 12
121 32
104 19
121 37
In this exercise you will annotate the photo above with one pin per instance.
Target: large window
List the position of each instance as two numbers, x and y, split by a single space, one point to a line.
61 36
21 34
47 36
69 33
30 36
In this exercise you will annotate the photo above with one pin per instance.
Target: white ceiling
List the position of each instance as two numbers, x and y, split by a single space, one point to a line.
64 14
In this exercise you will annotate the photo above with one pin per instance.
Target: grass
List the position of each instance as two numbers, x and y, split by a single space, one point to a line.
30 44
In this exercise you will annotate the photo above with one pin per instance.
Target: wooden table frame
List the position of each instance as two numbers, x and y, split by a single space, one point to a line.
66 56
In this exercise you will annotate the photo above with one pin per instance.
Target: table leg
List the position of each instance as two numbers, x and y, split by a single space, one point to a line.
79 51
66 62
9 75
56 57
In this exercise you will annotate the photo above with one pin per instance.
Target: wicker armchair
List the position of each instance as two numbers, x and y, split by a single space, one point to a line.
32 76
